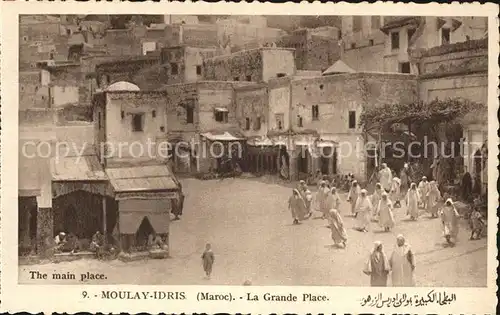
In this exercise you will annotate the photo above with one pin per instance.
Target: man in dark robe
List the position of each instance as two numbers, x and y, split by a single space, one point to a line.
466 185
377 266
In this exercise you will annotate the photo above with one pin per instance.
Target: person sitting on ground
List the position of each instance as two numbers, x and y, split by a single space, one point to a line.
60 240
71 245
96 245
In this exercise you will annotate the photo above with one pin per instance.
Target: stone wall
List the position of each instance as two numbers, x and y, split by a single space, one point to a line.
209 99
335 97
313 50
70 77
241 34
41 41
119 130
365 58
277 62
322 52
463 58
31 93
193 59
279 104
187 60
239 66
130 69
298 41
122 43
252 103
457 70
178 97
473 87
194 35
200 35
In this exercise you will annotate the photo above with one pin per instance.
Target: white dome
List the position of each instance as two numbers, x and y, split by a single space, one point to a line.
122 86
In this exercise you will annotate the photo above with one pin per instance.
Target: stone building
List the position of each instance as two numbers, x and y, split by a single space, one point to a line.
199 114
461 70
363 42
129 69
184 64
255 65
312 114
40 38
41 216
383 43
133 126
107 170
241 30
194 35
54 92
315 49
262 154
125 114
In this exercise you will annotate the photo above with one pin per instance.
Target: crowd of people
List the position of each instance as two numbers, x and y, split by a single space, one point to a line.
379 207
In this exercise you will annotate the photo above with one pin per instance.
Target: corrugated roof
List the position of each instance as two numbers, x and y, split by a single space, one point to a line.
80 168
141 178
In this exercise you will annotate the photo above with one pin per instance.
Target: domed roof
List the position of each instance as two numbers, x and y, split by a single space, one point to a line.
122 86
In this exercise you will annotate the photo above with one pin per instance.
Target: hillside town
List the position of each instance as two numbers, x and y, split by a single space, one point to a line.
256 131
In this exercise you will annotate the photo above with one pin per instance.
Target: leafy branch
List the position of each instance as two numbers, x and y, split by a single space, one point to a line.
434 112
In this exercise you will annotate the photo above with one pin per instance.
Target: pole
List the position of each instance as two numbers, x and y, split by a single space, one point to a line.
104 217
378 155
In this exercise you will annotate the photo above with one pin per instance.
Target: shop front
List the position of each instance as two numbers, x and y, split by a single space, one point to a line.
81 198
263 156
222 152
144 196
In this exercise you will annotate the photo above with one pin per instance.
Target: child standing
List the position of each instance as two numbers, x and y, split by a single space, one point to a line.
208 260
412 201
477 223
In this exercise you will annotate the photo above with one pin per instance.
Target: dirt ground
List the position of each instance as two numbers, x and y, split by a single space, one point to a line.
251 232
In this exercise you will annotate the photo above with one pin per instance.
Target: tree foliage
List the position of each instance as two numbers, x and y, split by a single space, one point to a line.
434 112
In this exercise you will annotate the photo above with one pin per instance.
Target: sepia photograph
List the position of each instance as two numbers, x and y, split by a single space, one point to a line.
255 150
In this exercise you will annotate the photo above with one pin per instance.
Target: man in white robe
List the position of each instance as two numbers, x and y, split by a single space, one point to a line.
363 209
402 264
385 177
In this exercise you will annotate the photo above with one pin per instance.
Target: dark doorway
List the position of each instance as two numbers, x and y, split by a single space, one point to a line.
143 232
70 219
303 160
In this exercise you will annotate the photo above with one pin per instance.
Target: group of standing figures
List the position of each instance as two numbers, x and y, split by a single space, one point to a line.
380 207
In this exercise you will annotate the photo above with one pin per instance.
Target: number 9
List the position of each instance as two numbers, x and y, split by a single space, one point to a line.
84 293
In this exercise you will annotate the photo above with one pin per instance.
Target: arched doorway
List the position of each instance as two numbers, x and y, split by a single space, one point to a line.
143 232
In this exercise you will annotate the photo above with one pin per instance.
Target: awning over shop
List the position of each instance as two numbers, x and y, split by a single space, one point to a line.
304 142
258 142
141 182
326 144
129 222
224 136
94 187
221 109
73 173
133 212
